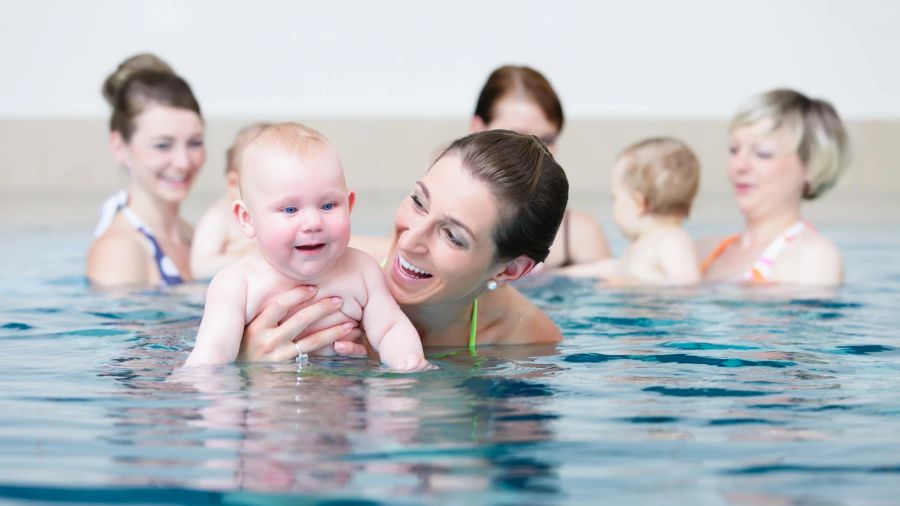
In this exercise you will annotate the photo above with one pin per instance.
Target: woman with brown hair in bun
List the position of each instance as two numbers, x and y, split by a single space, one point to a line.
521 99
156 133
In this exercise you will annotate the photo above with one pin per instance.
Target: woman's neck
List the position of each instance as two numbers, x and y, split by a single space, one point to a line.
442 324
763 230
163 217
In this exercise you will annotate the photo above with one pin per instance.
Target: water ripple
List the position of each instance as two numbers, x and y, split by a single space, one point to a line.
705 392
678 358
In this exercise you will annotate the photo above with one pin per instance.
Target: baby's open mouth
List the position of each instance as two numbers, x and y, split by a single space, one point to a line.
310 248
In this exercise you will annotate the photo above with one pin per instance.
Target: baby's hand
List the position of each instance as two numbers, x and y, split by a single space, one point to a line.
411 364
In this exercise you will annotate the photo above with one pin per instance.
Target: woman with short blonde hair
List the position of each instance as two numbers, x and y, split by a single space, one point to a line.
784 147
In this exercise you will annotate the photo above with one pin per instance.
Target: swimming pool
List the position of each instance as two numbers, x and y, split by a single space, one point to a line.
715 395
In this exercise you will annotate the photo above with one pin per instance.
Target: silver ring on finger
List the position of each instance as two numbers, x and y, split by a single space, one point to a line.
302 358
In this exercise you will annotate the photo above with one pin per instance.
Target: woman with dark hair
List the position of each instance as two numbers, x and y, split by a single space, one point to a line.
484 214
521 99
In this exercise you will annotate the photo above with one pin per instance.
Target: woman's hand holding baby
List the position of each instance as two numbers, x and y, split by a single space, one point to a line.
268 338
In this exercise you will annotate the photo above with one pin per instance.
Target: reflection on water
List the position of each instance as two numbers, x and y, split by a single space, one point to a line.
713 395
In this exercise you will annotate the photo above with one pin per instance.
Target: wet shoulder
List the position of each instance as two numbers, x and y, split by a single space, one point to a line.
812 259
351 277
508 317
375 246
120 239
216 216
118 257
674 237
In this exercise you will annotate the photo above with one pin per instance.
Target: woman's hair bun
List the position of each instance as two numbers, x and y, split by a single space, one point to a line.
143 62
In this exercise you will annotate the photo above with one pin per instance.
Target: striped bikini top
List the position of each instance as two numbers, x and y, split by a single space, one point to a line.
118 203
761 270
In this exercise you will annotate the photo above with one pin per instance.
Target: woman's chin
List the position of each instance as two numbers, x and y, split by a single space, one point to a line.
174 195
745 204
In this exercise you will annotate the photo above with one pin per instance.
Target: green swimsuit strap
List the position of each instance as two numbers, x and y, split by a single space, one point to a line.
474 327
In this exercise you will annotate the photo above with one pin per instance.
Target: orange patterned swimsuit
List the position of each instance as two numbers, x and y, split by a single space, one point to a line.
761 270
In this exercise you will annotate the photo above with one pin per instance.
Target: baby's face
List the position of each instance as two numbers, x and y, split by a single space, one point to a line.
626 211
299 208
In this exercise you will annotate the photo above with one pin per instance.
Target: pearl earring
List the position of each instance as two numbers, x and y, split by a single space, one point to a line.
492 285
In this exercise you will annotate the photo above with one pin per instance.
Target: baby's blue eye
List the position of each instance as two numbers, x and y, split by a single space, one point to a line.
162 147
289 210
328 207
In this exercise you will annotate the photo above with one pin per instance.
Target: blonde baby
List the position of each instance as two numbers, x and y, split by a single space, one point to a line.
654 182
295 204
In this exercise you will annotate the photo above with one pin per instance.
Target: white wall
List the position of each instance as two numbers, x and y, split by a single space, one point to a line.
648 58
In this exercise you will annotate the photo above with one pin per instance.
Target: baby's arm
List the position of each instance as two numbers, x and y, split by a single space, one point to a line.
677 259
219 338
388 329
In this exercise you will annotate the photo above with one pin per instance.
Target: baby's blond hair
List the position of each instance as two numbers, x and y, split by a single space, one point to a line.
290 137
665 171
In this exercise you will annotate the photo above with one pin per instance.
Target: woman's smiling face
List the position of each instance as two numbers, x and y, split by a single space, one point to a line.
165 153
443 248
765 169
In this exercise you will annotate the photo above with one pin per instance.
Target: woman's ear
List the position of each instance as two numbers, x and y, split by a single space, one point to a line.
243 219
515 269
477 125
118 147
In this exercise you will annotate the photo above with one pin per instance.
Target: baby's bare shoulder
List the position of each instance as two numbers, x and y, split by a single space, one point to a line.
257 274
216 215
361 262
238 272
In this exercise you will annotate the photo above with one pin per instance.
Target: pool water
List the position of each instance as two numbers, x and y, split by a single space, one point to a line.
713 395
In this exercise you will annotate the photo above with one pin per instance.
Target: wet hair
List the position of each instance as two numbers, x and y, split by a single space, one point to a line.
511 80
243 137
139 81
665 171
529 186
822 142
